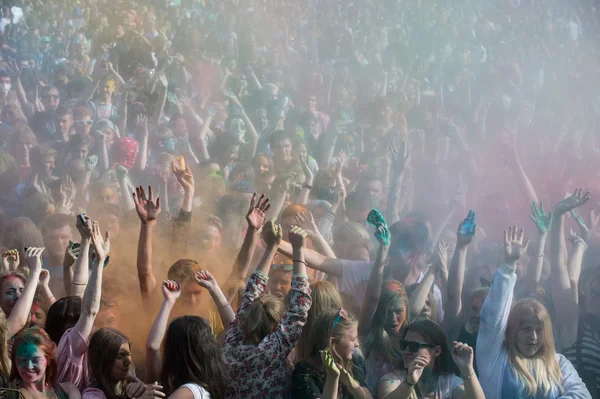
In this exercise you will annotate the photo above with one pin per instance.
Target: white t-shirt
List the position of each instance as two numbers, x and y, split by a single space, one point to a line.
355 278
446 385
197 391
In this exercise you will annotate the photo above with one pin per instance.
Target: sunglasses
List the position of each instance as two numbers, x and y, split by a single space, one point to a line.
342 314
280 266
414 346
82 123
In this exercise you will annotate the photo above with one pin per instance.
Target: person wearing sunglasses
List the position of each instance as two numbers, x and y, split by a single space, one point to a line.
516 354
263 334
82 120
334 368
426 372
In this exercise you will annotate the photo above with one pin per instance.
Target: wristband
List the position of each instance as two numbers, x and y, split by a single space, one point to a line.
408 383
469 376
301 261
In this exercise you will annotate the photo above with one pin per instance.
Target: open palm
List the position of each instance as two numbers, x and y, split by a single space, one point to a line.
572 202
513 244
257 212
146 208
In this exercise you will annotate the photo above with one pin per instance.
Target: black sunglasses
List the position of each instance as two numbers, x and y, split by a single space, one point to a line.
414 346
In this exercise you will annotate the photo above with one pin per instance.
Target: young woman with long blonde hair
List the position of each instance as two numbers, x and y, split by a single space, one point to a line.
516 355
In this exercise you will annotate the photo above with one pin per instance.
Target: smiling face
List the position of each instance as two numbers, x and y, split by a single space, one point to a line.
529 336
31 363
120 368
345 346
12 289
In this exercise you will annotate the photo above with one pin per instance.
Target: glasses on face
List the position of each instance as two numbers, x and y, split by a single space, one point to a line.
414 346
83 123
284 267
342 314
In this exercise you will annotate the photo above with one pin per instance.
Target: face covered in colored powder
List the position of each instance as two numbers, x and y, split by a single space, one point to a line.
12 289
31 363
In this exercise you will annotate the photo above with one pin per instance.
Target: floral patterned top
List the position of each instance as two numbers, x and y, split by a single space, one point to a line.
261 371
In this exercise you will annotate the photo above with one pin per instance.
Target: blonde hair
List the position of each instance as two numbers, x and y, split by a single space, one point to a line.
325 298
262 319
5 364
540 372
324 331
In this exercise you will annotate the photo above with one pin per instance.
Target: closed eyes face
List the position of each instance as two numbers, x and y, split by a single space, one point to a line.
530 336
120 368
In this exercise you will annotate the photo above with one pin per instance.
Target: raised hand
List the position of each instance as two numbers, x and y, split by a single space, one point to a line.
10 260
271 233
101 244
91 162
184 177
206 280
462 354
383 236
585 231
574 239
307 222
171 290
146 208
33 256
439 259
257 212
44 280
331 368
542 221
513 244
466 230
415 369
71 254
297 237
122 171
141 124
99 136
84 226
572 202
307 172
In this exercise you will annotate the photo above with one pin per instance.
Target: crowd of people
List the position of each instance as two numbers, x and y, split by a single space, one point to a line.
299 199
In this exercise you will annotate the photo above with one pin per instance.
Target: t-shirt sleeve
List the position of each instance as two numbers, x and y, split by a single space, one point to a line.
355 277
72 360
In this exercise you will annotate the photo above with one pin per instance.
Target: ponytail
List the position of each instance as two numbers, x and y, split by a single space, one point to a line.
262 318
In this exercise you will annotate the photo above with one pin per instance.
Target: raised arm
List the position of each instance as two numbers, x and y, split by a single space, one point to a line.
456 277
255 219
141 127
127 203
400 157
251 129
496 308
375 281
18 317
574 264
44 290
206 280
160 105
302 197
562 295
314 260
93 291
463 356
98 136
519 171
543 222
147 211
171 291
82 267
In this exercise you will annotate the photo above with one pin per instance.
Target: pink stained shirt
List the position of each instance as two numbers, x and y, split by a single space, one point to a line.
72 359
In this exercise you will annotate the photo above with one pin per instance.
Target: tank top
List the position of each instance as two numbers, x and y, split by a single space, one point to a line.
197 391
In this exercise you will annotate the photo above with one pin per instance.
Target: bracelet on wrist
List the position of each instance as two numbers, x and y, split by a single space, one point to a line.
469 376
301 261
409 384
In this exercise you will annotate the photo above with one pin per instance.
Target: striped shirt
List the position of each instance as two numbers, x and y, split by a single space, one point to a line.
585 356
